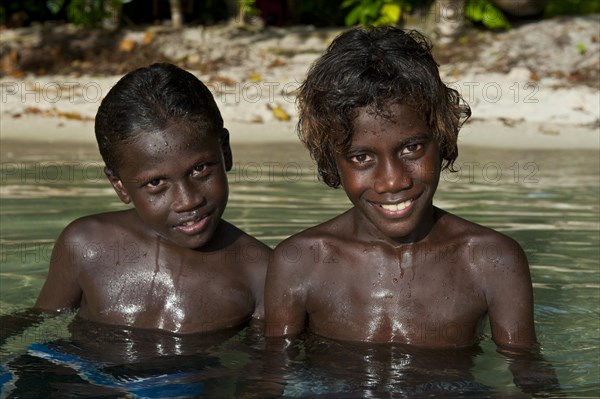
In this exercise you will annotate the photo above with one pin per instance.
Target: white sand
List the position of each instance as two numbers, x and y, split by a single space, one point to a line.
509 110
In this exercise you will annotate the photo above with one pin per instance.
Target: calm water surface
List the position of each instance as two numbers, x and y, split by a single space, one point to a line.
548 201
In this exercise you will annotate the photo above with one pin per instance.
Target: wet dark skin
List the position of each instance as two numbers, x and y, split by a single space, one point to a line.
395 268
170 263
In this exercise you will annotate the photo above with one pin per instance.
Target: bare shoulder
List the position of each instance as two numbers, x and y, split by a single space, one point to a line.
244 252
99 239
249 258
488 250
246 248
99 228
499 266
82 246
307 248
294 271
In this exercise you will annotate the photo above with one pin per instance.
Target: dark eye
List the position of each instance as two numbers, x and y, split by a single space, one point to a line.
360 158
154 182
411 148
199 168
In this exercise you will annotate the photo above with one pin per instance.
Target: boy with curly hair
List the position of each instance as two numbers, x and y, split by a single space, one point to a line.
394 268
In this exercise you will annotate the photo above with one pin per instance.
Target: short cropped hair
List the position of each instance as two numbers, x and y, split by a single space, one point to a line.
374 67
148 100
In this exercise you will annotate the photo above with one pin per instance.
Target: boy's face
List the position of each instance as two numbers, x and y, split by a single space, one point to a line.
177 182
390 173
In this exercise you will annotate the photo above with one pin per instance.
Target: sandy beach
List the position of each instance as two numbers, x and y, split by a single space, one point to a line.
520 105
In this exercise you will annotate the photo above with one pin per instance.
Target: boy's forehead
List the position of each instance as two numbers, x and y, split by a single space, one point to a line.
199 128
390 114
185 133
173 140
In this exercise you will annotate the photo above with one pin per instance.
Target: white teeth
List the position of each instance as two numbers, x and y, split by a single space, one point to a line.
191 222
396 207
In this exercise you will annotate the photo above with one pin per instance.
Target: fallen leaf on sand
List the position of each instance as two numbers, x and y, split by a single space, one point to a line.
127 45
279 113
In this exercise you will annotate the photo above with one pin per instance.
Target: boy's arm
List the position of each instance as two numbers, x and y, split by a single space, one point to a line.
285 291
285 312
257 270
510 296
510 301
61 290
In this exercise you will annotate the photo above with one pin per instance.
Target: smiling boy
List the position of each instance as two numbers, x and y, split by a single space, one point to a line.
394 268
170 262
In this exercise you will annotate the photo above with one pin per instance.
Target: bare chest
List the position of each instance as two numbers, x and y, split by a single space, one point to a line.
177 294
387 300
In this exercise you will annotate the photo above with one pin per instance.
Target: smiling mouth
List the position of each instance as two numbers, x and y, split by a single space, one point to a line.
395 211
396 207
193 226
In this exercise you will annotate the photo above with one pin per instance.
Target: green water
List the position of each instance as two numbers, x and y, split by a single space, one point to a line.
549 201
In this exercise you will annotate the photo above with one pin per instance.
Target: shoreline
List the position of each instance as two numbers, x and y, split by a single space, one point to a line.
518 84
479 133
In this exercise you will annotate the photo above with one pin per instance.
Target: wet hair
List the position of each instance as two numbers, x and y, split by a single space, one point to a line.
374 67
148 100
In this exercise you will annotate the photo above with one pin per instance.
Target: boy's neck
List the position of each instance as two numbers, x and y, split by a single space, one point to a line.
421 234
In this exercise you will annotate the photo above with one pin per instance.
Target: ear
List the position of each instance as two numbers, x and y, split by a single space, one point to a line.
226 148
117 185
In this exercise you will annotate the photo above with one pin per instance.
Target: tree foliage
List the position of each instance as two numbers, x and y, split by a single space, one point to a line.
87 13
484 12
91 13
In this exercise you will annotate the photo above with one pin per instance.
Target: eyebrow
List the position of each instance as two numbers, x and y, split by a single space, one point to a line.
403 143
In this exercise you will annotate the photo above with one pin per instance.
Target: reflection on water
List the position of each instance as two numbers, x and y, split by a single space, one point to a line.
548 201
407 371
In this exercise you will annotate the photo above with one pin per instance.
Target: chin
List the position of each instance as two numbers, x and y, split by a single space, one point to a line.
199 243
402 230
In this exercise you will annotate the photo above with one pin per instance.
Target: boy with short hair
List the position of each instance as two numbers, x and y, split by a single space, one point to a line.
394 268
171 263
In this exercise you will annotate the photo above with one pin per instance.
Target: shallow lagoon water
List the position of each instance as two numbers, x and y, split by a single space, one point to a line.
549 201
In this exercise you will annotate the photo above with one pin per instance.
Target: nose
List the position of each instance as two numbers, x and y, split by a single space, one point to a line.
187 196
392 176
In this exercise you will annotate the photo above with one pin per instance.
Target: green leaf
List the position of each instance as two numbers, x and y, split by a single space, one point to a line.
348 3
54 5
353 17
474 10
483 11
391 12
494 18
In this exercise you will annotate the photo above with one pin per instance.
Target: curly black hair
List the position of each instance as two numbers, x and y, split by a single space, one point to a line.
374 67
